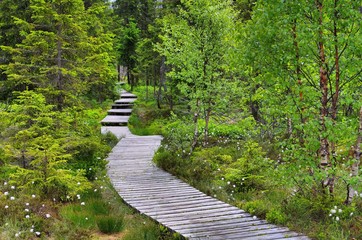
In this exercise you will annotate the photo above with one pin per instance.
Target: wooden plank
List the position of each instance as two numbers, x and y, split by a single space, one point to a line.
125 112
195 226
267 234
115 119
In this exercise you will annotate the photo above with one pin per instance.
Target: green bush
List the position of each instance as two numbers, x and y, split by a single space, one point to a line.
257 207
276 216
110 224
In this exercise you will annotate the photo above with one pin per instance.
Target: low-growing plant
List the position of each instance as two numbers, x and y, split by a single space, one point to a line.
110 223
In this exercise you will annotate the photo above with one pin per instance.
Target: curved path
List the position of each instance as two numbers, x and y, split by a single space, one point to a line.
168 200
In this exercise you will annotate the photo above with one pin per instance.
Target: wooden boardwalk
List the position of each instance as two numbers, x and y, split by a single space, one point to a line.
170 201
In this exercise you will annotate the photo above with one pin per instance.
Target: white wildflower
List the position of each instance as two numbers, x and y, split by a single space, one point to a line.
339 210
333 211
33 196
337 219
6 193
27 204
12 198
82 203
31 230
27 216
26 210
6 206
47 215
37 233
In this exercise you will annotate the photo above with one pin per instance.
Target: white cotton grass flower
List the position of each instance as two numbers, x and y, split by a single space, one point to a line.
12 198
339 210
12 187
27 216
333 211
33 195
337 219
6 193
37 233
78 196
31 230
17 234
95 190
6 206
78 183
82 203
27 204
47 215
26 210
5 183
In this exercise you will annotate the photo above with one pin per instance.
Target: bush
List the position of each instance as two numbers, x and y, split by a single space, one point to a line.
257 207
110 224
276 216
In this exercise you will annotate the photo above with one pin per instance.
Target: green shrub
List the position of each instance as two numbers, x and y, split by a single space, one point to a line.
257 207
110 224
276 216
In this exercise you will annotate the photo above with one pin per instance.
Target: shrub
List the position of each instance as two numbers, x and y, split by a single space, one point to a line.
257 207
276 216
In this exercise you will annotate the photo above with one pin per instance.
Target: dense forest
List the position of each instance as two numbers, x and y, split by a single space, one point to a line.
259 103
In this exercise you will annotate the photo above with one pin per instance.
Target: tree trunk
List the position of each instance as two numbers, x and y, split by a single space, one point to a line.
335 96
59 76
196 126
323 83
207 120
355 165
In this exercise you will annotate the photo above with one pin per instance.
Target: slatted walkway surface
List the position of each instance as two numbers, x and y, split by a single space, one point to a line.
172 202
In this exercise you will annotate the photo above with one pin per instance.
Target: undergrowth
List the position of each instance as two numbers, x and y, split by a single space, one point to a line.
239 166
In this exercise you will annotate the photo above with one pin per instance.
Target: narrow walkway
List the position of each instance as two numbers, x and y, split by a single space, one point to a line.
167 199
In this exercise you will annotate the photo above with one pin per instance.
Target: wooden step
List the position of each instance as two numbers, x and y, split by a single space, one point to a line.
113 120
128 95
122 106
120 112
125 100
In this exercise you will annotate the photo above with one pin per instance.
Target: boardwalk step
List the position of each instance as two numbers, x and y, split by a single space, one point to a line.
125 101
122 106
120 112
115 120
